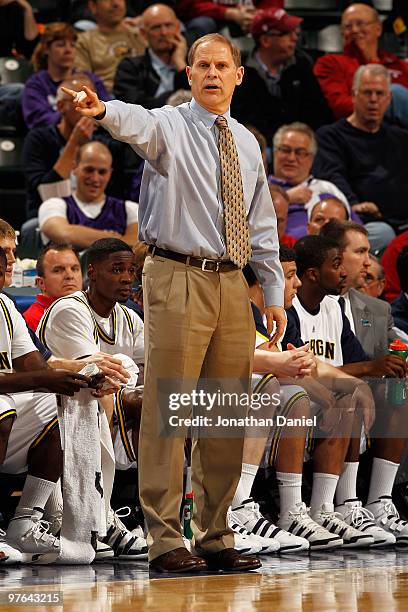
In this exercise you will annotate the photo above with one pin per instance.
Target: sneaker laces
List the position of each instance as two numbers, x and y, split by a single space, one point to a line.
236 527
115 516
302 515
359 515
392 515
39 530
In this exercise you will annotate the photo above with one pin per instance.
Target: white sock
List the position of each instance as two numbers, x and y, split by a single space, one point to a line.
290 490
248 473
347 485
35 494
54 505
324 488
383 474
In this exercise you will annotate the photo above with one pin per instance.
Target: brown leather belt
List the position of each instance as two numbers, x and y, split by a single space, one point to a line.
208 265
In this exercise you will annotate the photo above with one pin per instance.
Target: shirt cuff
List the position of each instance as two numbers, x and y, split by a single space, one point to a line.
273 295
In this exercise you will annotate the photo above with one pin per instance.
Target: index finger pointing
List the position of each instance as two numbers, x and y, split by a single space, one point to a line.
69 92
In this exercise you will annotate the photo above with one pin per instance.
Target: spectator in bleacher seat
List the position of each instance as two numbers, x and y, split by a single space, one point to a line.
361 29
204 16
389 262
150 79
49 151
18 28
279 85
374 282
399 307
53 60
325 207
89 214
101 49
366 157
280 201
294 149
58 274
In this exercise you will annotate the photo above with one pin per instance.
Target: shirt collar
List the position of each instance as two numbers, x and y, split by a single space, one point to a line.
158 64
205 116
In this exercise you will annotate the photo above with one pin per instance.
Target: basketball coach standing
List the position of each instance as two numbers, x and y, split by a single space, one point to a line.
206 211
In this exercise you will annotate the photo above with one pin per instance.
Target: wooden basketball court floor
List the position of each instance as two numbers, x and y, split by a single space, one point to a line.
349 581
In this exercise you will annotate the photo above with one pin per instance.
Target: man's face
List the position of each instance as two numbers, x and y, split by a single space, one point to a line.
356 258
280 46
293 157
331 277
372 98
281 210
323 212
374 282
9 246
62 274
113 278
160 26
108 13
214 76
93 173
360 26
292 282
61 53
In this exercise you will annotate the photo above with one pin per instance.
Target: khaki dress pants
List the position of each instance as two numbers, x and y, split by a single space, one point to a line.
197 323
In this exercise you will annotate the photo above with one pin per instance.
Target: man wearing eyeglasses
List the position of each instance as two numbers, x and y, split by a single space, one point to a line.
279 85
89 214
294 149
361 30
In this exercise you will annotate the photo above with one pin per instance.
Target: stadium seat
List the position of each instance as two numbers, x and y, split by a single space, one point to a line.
12 184
14 70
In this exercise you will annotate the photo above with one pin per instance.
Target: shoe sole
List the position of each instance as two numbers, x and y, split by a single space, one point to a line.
195 568
361 542
141 557
243 568
327 545
39 558
294 549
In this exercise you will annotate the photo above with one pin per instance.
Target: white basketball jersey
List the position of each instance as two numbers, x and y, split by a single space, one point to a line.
323 330
15 340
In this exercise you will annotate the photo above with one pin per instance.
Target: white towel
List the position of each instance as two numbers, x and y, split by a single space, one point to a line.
83 505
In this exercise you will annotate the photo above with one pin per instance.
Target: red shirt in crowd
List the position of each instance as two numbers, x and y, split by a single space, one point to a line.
389 263
288 241
34 313
336 71
188 9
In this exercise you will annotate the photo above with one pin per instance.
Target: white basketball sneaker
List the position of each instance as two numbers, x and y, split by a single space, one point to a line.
387 517
248 516
244 542
298 522
30 535
12 555
362 519
333 522
127 545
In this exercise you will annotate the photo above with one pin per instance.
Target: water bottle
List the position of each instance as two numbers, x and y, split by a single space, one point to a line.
395 391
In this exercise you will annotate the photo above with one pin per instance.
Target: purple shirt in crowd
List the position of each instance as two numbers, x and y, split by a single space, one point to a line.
40 97
112 216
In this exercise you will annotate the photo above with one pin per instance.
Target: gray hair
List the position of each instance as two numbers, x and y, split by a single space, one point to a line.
297 126
377 70
381 273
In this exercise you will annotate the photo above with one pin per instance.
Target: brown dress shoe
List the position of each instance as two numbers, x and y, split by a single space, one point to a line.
231 560
178 560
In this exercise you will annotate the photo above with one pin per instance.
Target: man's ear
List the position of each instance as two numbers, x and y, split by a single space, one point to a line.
188 71
312 274
39 281
91 272
240 75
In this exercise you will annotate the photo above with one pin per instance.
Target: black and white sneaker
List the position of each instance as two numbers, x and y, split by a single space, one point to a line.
297 521
126 545
333 522
250 518
387 517
357 516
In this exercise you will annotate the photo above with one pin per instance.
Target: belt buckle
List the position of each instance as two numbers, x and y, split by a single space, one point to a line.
203 265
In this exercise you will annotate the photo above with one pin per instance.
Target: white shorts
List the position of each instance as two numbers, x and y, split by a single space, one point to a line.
36 416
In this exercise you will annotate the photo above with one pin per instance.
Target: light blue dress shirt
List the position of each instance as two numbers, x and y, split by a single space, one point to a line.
164 71
180 204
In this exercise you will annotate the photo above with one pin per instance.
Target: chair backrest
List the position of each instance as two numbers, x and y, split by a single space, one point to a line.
311 4
14 70
10 152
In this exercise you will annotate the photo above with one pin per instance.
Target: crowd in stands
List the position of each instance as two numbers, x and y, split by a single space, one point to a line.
333 132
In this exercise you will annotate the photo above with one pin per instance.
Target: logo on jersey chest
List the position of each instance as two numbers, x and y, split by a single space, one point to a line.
322 348
4 361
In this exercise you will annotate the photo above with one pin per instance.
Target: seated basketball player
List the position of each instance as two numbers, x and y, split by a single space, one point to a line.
288 448
84 323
